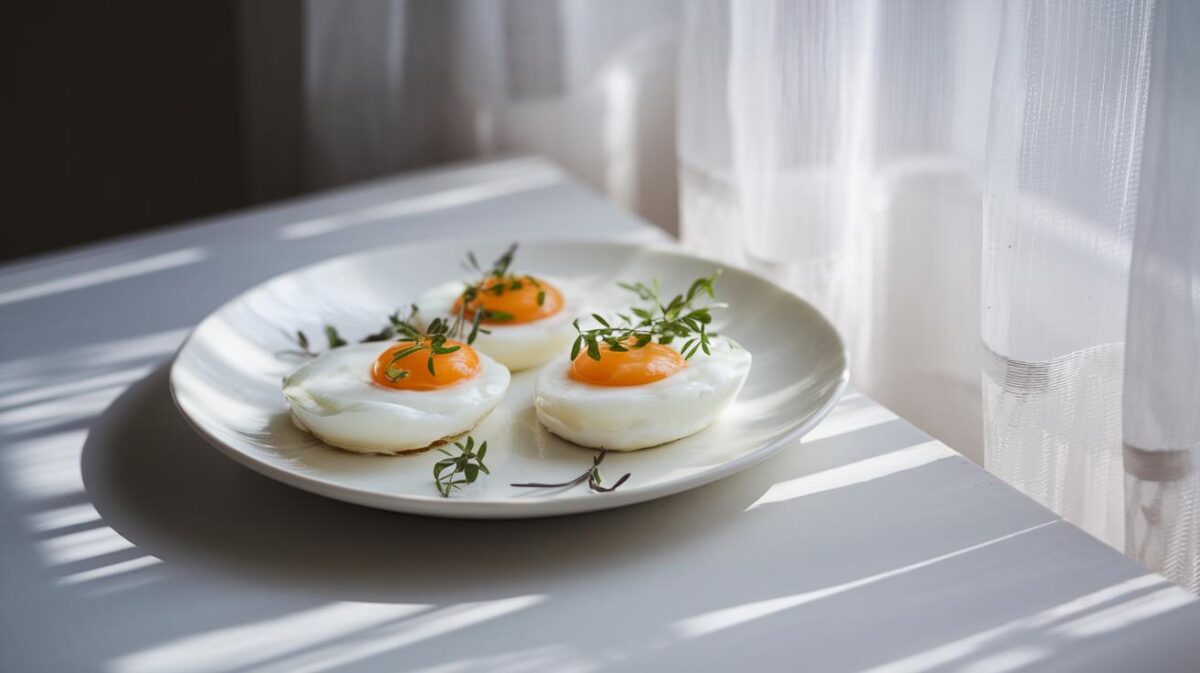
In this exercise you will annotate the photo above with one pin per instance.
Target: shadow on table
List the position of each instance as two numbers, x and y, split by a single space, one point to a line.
888 575
160 485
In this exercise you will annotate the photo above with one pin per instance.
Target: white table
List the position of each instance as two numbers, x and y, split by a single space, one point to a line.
131 546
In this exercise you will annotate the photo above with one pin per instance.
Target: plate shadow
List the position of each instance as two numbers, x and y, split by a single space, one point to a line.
160 485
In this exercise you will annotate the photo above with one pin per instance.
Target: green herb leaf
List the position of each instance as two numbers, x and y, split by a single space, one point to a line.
405 352
499 316
678 318
614 345
465 463
335 339
474 327
688 346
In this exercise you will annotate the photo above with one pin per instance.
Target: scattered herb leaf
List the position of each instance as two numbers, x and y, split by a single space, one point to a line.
335 339
468 463
495 280
434 336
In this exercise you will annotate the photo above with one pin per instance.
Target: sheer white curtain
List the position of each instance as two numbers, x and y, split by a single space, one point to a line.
840 147
1162 354
1091 341
1063 167
590 84
996 200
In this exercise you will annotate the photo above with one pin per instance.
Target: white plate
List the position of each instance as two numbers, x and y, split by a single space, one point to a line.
226 380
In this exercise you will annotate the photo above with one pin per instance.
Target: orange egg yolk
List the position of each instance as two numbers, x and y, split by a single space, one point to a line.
411 372
516 301
633 367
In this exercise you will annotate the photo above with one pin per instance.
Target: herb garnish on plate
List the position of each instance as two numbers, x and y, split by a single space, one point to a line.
468 463
662 322
495 280
591 476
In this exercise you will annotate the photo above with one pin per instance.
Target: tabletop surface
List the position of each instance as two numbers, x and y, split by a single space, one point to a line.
131 546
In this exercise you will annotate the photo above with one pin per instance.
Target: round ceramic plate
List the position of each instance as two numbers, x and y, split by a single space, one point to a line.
226 381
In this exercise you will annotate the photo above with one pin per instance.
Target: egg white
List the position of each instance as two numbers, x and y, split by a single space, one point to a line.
335 399
628 418
519 346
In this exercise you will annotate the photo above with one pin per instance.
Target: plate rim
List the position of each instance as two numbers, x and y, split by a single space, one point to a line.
516 508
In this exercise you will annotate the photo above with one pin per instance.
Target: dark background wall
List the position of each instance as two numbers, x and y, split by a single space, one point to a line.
117 117
123 116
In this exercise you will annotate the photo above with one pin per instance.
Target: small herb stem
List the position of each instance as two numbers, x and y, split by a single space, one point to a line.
591 476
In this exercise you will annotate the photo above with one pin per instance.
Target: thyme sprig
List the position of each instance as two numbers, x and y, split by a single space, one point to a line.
663 322
433 339
495 280
591 476
468 463
304 346
335 339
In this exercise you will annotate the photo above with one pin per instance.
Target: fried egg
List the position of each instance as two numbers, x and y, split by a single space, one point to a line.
525 332
363 400
641 397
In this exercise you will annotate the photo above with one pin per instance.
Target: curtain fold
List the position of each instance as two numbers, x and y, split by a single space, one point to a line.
1063 163
837 146
840 147
1162 360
